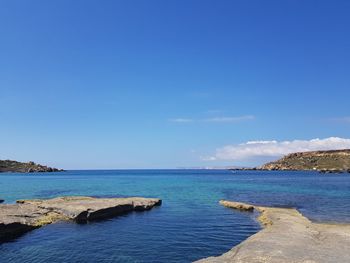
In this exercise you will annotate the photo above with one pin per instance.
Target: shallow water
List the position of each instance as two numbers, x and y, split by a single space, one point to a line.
189 225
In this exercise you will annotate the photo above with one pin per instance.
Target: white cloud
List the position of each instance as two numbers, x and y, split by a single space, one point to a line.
256 149
181 120
231 119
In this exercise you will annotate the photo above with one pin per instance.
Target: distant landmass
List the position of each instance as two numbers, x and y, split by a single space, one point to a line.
331 161
323 161
29 167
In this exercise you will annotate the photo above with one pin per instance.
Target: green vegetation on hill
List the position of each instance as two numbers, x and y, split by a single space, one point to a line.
324 161
30 167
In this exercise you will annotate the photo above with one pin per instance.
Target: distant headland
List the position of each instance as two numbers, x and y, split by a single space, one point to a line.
331 161
29 167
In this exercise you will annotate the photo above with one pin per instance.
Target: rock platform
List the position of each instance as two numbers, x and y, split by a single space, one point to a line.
288 237
26 215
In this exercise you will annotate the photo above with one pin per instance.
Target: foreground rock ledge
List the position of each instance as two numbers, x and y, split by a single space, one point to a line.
25 215
288 236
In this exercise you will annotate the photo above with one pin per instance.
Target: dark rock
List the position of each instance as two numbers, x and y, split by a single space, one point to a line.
11 231
329 171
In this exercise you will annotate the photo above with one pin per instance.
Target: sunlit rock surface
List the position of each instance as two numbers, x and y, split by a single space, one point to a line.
289 237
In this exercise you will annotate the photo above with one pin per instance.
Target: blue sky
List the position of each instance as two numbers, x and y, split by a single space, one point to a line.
163 84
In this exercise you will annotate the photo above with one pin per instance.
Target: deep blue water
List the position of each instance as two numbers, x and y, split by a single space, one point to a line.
189 225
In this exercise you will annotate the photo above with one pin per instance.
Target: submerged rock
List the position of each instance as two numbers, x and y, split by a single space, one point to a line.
2 200
25 215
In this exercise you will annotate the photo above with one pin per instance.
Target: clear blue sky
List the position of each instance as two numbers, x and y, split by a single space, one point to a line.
137 84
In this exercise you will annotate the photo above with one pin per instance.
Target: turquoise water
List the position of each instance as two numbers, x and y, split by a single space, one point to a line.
189 225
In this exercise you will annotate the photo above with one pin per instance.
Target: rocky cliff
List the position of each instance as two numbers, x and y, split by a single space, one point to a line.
30 167
324 161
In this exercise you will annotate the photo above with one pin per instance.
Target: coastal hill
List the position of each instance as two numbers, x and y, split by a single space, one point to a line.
323 161
30 167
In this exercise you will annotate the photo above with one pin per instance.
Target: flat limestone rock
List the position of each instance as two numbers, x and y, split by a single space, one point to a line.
25 215
289 237
237 205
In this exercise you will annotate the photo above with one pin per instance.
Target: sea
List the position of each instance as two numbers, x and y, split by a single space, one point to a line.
189 225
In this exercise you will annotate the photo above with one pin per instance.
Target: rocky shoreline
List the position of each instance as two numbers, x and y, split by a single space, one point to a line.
29 167
322 171
26 215
288 237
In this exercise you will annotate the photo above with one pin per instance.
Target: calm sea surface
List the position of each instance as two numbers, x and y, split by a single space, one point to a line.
189 225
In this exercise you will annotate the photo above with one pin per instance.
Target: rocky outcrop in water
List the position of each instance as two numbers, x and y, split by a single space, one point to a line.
25 215
288 237
30 167
237 205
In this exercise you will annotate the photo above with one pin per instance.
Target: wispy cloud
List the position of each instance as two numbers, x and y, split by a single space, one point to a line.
345 119
223 119
255 149
215 111
181 120
200 94
230 119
